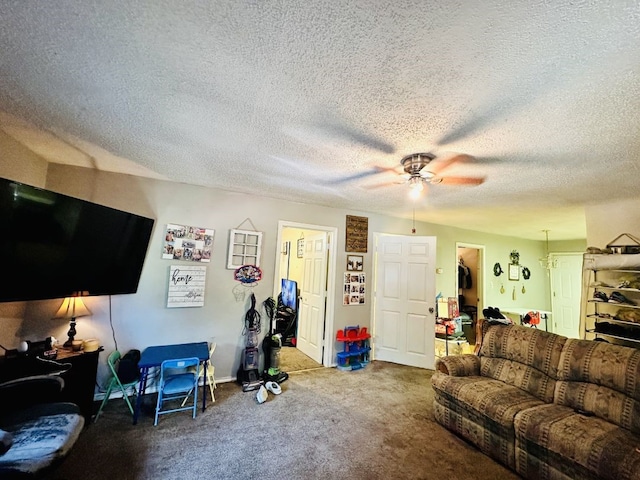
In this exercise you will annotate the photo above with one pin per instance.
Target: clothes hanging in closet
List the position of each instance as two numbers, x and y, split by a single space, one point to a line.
464 276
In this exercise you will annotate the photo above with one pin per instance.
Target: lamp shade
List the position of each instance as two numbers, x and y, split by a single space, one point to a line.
72 307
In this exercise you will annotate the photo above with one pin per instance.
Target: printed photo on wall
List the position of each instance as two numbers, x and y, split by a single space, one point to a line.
192 244
354 289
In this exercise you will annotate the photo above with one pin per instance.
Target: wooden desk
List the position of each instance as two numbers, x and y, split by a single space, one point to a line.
154 356
79 378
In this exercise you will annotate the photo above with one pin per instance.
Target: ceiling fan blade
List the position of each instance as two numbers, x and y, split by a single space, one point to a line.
400 181
357 176
438 165
457 180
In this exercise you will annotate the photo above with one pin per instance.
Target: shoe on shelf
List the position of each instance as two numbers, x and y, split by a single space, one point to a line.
262 394
273 387
617 297
601 296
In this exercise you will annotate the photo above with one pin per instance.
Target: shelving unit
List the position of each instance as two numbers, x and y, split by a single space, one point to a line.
615 322
355 353
450 332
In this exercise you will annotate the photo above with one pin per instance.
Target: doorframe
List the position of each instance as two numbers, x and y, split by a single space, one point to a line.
481 274
329 311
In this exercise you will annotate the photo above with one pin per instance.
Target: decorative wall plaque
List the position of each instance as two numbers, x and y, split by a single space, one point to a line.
186 286
357 234
245 247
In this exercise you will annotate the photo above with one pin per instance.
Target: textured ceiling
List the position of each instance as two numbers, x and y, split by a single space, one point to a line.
288 98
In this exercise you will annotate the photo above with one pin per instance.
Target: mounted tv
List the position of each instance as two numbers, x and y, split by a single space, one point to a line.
54 246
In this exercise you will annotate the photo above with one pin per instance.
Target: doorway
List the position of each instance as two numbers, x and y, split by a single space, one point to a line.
565 283
307 256
470 286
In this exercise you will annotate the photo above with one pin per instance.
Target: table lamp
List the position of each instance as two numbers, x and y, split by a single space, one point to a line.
72 308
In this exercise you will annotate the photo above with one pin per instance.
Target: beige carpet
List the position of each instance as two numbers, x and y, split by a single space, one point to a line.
374 423
293 360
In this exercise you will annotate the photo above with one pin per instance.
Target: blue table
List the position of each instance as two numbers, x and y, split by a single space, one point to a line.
154 356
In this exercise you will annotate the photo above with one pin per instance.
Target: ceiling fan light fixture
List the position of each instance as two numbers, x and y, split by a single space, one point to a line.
416 185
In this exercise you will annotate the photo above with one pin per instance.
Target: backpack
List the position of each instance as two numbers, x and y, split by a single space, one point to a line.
128 370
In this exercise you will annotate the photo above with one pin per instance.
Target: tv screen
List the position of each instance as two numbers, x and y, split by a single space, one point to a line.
289 293
54 245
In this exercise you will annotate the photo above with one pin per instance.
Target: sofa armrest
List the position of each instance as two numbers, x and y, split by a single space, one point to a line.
459 365
23 392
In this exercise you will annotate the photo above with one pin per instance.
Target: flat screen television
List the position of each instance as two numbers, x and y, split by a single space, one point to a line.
289 290
54 246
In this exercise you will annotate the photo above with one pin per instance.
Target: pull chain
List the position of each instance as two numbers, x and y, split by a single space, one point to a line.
413 229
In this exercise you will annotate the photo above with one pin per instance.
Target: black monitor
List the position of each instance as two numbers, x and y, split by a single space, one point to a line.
290 293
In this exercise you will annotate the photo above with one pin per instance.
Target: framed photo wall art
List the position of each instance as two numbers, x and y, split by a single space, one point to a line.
354 288
188 243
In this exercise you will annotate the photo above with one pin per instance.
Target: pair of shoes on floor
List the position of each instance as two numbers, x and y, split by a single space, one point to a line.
272 387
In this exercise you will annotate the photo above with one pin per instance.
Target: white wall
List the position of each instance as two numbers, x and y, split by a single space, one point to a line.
142 319
610 219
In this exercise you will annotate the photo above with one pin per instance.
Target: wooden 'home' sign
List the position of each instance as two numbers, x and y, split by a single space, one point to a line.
357 234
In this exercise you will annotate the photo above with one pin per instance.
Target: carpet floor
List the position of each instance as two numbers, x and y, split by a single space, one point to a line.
293 360
374 423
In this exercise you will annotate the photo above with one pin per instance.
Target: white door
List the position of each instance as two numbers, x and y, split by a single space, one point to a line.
312 297
404 311
566 283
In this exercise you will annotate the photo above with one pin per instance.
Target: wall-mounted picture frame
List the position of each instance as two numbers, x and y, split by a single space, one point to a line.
245 247
514 271
300 253
355 263
357 234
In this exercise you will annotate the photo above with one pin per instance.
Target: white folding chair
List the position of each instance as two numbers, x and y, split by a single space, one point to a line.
211 380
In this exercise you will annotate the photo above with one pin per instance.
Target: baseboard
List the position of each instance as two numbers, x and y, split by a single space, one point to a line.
99 396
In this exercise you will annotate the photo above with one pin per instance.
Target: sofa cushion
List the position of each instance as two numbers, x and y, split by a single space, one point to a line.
523 357
491 402
481 410
601 379
553 441
41 435
459 365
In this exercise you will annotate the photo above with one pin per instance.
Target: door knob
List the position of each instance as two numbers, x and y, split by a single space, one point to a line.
431 310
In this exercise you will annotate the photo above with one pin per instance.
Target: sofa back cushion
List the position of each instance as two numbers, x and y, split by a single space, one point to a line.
601 379
524 357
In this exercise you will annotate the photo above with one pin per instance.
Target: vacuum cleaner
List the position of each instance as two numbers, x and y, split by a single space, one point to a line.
249 371
271 346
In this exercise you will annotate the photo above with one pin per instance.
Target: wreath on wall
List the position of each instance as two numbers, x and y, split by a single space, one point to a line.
497 270
526 273
515 257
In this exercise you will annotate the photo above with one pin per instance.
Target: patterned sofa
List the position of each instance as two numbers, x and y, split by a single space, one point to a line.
546 406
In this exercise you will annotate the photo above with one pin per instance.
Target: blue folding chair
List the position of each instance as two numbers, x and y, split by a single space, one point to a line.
178 386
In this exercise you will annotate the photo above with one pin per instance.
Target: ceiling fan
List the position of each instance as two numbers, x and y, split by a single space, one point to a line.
419 171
